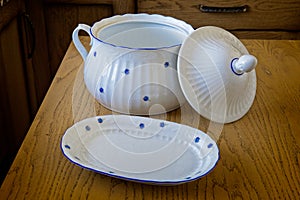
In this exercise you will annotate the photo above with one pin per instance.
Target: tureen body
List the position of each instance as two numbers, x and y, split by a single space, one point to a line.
131 66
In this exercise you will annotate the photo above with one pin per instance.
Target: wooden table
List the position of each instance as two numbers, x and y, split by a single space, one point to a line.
259 154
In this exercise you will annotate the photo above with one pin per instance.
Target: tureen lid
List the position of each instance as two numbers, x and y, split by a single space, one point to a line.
216 74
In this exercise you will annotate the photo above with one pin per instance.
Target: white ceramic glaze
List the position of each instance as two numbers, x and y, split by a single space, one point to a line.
132 63
216 74
140 149
246 63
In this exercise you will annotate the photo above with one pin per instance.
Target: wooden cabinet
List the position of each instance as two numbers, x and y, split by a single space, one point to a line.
24 78
263 19
14 101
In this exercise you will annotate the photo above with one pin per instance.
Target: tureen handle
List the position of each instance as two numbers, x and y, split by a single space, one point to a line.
245 63
79 46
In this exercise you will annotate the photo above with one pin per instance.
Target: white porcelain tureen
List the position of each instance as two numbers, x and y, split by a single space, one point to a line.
131 66
139 61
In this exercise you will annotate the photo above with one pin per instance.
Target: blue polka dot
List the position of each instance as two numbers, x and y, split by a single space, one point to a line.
146 98
188 177
111 172
142 125
95 54
101 90
67 146
87 128
197 139
100 120
166 64
126 71
210 145
162 124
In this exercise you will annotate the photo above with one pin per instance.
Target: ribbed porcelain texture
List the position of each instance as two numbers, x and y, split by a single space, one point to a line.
207 79
131 67
134 81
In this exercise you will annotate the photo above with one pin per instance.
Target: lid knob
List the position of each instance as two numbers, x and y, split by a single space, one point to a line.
245 63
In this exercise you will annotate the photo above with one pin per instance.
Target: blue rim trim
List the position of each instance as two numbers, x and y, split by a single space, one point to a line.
140 48
231 66
139 180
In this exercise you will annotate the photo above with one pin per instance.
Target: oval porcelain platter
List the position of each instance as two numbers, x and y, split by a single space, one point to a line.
140 149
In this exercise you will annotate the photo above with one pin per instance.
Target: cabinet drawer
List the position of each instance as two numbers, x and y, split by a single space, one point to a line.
259 15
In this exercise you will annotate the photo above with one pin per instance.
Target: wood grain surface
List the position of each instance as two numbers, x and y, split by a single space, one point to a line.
264 19
259 154
260 14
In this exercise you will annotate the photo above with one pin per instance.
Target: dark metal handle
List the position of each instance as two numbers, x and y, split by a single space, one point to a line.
31 37
213 9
